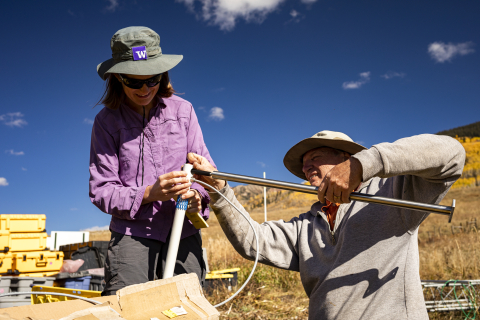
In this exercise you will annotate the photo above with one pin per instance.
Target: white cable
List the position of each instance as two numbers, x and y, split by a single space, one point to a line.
256 241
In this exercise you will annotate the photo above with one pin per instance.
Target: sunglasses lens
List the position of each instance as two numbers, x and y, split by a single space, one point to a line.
152 82
133 83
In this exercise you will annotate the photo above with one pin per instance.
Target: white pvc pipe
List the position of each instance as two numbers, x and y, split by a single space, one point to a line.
176 229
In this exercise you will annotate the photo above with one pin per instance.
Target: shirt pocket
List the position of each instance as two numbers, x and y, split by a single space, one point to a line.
175 147
127 171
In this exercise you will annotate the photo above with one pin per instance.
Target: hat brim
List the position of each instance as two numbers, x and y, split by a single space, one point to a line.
150 66
293 160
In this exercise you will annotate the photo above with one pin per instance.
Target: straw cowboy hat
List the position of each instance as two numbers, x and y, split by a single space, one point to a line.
136 50
294 158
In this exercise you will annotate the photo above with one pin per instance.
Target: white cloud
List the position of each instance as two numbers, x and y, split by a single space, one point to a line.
97 228
225 13
308 1
113 4
13 119
364 78
294 13
70 12
216 113
442 52
296 16
391 74
3 182
218 89
24 169
88 121
263 165
15 153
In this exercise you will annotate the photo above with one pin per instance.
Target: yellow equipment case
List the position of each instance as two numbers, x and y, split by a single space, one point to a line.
4 241
19 242
47 298
39 274
226 278
6 262
23 222
38 261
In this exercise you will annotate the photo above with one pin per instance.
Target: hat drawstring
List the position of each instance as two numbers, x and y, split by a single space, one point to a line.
143 138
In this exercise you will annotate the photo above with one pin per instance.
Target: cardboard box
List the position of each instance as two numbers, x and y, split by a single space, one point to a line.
141 301
148 300
102 311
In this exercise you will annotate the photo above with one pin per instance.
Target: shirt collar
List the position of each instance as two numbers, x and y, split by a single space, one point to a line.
317 206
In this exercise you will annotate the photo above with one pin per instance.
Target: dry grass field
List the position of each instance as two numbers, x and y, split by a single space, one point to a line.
278 294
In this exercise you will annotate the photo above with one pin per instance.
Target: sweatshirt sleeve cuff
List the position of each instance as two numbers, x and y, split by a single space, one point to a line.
137 203
217 201
371 161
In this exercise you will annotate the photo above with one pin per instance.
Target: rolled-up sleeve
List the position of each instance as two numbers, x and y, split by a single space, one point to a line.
197 145
105 188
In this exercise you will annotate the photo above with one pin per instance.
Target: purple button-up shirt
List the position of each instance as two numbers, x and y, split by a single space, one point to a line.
116 165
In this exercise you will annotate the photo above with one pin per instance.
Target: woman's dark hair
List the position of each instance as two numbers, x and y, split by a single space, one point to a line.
114 95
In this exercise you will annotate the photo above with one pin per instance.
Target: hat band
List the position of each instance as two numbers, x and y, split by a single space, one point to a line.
128 56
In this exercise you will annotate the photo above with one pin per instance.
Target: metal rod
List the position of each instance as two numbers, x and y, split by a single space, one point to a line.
435 208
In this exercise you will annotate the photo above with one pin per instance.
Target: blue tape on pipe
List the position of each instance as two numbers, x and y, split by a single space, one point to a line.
181 203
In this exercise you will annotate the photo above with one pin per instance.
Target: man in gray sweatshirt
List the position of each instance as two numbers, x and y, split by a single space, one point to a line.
356 260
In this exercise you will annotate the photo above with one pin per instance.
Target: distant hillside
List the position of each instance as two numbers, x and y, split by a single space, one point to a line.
469 137
471 171
470 130
251 197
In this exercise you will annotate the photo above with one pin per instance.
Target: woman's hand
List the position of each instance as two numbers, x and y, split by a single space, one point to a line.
201 163
194 201
167 186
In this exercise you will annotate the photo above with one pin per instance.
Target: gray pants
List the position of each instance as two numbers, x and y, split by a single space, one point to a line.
133 260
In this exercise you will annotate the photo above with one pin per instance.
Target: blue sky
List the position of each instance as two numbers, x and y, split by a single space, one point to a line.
261 75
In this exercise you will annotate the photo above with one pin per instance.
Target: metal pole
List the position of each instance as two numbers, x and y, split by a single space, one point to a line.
435 208
265 198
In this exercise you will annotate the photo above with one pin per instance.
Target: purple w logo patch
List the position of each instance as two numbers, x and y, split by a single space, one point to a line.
139 53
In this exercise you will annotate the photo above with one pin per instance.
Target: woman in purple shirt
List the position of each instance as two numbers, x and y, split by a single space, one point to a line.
140 141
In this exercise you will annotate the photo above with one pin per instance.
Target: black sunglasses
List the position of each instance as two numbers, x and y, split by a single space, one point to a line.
137 83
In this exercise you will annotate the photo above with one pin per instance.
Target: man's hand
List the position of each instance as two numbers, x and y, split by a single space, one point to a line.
201 163
339 182
167 186
195 201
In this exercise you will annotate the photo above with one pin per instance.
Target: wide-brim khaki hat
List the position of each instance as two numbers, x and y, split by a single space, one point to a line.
136 50
294 158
